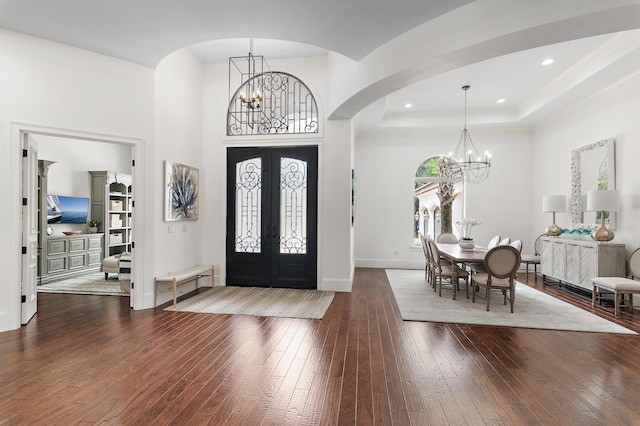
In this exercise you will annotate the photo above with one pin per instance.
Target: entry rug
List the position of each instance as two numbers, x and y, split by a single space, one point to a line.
257 301
87 284
532 309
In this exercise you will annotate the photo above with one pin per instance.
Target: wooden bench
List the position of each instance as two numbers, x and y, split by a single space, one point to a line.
181 277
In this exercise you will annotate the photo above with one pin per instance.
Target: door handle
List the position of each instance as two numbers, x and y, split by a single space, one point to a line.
270 232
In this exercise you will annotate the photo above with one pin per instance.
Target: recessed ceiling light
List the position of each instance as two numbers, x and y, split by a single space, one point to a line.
408 105
547 61
501 100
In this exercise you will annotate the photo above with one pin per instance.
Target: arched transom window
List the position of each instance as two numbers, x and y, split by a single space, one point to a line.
283 105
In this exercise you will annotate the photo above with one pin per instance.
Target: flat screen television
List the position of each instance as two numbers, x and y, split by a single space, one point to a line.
63 209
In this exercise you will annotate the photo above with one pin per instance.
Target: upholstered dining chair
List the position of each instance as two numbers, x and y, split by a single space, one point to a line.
517 244
447 238
427 258
448 271
619 286
493 242
533 259
505 241
501 263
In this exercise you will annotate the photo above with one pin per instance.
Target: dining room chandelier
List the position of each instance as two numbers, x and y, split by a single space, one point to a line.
473 167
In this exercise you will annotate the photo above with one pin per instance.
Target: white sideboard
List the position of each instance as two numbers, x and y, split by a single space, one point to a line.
575 262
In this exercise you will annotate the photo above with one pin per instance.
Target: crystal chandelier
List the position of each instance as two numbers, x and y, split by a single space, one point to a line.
471 165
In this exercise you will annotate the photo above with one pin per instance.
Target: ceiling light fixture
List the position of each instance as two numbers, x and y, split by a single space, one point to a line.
408 105
547 61
501 101
250 70
473 167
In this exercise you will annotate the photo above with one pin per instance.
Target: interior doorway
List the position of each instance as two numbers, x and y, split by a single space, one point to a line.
60 154
272 214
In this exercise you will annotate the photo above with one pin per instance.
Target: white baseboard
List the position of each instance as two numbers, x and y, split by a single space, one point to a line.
390 263
6 324
335 284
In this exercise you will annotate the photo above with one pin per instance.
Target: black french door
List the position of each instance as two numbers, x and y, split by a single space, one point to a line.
272 212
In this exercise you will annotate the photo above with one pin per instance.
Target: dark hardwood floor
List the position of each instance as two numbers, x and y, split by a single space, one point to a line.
90 359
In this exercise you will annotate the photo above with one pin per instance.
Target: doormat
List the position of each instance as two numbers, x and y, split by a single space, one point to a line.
259 301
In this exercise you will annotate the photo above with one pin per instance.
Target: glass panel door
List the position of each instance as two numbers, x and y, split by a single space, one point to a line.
272 203
293 206
248 234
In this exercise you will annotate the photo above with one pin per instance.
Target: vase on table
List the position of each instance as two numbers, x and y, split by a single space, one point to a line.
466 243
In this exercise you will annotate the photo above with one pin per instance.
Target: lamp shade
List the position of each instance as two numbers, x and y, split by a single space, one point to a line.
554 203
604 200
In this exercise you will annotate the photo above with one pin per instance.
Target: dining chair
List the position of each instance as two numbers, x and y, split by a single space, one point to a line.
517 244
501 263
479 267
505 241
533 259
447 238
493 242
449 271
619 286
427 258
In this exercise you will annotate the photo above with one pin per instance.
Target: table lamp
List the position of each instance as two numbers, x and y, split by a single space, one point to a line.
554 203
603 201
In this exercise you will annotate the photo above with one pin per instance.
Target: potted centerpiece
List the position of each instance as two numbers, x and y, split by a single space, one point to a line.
93 226
466 242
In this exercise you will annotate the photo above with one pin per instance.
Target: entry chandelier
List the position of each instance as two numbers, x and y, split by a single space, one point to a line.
250 70
264 102
473 167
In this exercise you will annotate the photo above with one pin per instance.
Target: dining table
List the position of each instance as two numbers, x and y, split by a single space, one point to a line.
457 255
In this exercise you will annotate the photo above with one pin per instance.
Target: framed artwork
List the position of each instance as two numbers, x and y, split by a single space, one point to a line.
181 192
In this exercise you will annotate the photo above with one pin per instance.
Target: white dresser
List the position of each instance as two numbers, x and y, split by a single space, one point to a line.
575 262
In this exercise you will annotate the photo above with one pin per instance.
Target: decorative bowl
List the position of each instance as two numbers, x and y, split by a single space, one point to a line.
72 232
467 245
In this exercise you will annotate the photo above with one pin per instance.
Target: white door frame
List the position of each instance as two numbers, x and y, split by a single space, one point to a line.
30 225
12 318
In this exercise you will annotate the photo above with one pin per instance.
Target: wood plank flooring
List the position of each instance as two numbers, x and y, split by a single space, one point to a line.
92 360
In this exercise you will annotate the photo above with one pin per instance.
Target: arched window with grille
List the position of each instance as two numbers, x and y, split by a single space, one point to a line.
429 182
272 103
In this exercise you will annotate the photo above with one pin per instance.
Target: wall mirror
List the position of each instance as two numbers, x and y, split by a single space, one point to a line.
592 168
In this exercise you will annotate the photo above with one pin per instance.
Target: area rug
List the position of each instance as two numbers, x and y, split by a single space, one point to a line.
87 284
533 309
267 302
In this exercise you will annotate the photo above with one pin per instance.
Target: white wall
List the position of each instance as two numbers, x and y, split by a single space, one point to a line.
334 232
178 128
74 158
213 176
335 208
385 170
611 114
58 87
